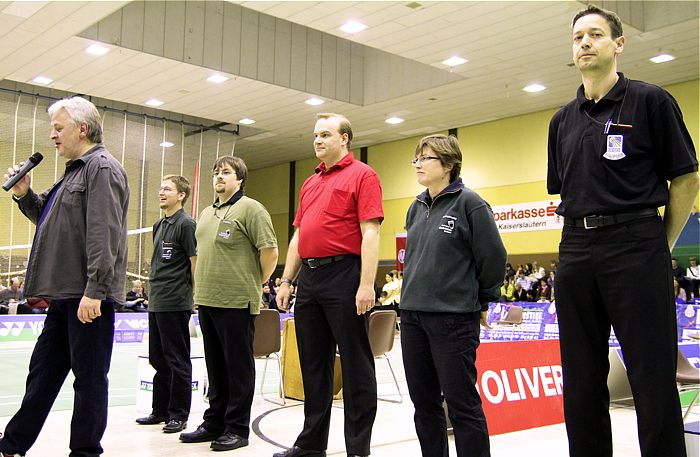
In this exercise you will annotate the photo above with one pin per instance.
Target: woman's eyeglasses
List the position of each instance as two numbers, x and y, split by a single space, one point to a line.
422 159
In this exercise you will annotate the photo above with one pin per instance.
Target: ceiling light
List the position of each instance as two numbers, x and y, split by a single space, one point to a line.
352 27
217 78
393 120
454 61
661 58
246 121
42 80
97 50
534 88
314 101
167 144
153 102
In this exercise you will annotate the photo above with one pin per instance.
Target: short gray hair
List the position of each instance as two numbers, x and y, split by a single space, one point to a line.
81 110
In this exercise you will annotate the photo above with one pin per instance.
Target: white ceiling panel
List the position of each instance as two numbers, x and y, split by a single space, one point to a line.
508 45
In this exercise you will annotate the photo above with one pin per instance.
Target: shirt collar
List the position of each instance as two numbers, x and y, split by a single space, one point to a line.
234 198
615 94
172 219
85 157
455 186
342 163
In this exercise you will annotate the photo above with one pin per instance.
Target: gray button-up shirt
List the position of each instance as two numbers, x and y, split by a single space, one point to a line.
80 247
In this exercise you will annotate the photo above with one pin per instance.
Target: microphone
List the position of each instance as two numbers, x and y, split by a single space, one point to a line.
31 162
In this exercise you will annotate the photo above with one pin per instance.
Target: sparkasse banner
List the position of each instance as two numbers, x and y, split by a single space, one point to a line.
527 217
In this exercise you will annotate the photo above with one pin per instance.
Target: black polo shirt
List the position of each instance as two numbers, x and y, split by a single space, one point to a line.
171 276
599 168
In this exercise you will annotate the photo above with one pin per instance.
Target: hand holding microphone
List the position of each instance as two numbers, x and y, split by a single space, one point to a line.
17 177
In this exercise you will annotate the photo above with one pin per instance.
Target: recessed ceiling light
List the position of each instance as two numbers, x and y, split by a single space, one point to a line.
246 121
314 101
42 80
217 78
167 144
661 58
352 27
534 88
154 102
394 120
454 61
97 49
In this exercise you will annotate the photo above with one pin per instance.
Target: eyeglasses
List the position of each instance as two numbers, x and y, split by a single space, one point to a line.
420 160
224 173
166 189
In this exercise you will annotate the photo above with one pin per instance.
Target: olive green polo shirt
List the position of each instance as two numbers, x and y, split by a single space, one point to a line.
229 238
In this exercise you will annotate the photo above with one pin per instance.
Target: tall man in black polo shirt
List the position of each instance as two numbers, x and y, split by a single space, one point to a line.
170 307
611 152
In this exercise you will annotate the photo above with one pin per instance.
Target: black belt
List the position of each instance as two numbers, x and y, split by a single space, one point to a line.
596 221
321 261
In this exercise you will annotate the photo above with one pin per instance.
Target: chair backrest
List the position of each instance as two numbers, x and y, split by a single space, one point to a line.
382 329
267 333
514 316
686 372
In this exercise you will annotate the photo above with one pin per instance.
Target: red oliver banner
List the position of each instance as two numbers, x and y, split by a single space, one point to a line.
520 384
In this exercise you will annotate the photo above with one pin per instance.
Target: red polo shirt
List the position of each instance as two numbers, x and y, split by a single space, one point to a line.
331 205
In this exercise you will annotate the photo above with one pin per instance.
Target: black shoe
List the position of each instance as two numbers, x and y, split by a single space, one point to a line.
296 451
228 442
151 419
199 436
356 455
174 426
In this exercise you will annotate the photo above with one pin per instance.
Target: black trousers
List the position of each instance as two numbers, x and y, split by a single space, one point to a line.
66 344
326 315
169 355
439 357
228 351
619 275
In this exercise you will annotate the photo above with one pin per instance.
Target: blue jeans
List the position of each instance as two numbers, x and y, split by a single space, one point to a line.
439 357
66 344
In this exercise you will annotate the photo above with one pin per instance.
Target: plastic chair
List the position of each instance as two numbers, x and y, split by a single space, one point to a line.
513 319
267 343
689 378
382 329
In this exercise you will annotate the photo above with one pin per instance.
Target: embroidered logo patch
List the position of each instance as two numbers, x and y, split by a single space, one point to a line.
448 224
614 148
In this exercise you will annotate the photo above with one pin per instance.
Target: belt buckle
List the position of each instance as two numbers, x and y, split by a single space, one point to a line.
585 222
313 263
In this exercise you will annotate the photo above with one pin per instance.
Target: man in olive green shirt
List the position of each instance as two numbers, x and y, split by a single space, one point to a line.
236 253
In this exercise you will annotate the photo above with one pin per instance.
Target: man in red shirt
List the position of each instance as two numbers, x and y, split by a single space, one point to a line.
335 250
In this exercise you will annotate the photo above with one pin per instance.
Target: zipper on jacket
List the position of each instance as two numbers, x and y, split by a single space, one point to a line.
427 213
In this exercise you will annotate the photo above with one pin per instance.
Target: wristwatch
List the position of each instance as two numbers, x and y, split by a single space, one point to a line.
286 281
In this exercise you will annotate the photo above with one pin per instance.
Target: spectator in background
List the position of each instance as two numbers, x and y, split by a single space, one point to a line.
268 300
519 294
389 298
544 291
523 279
507 290
679 275
14 292
538 271
136 298
692 274
553 265
510 272
679 293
